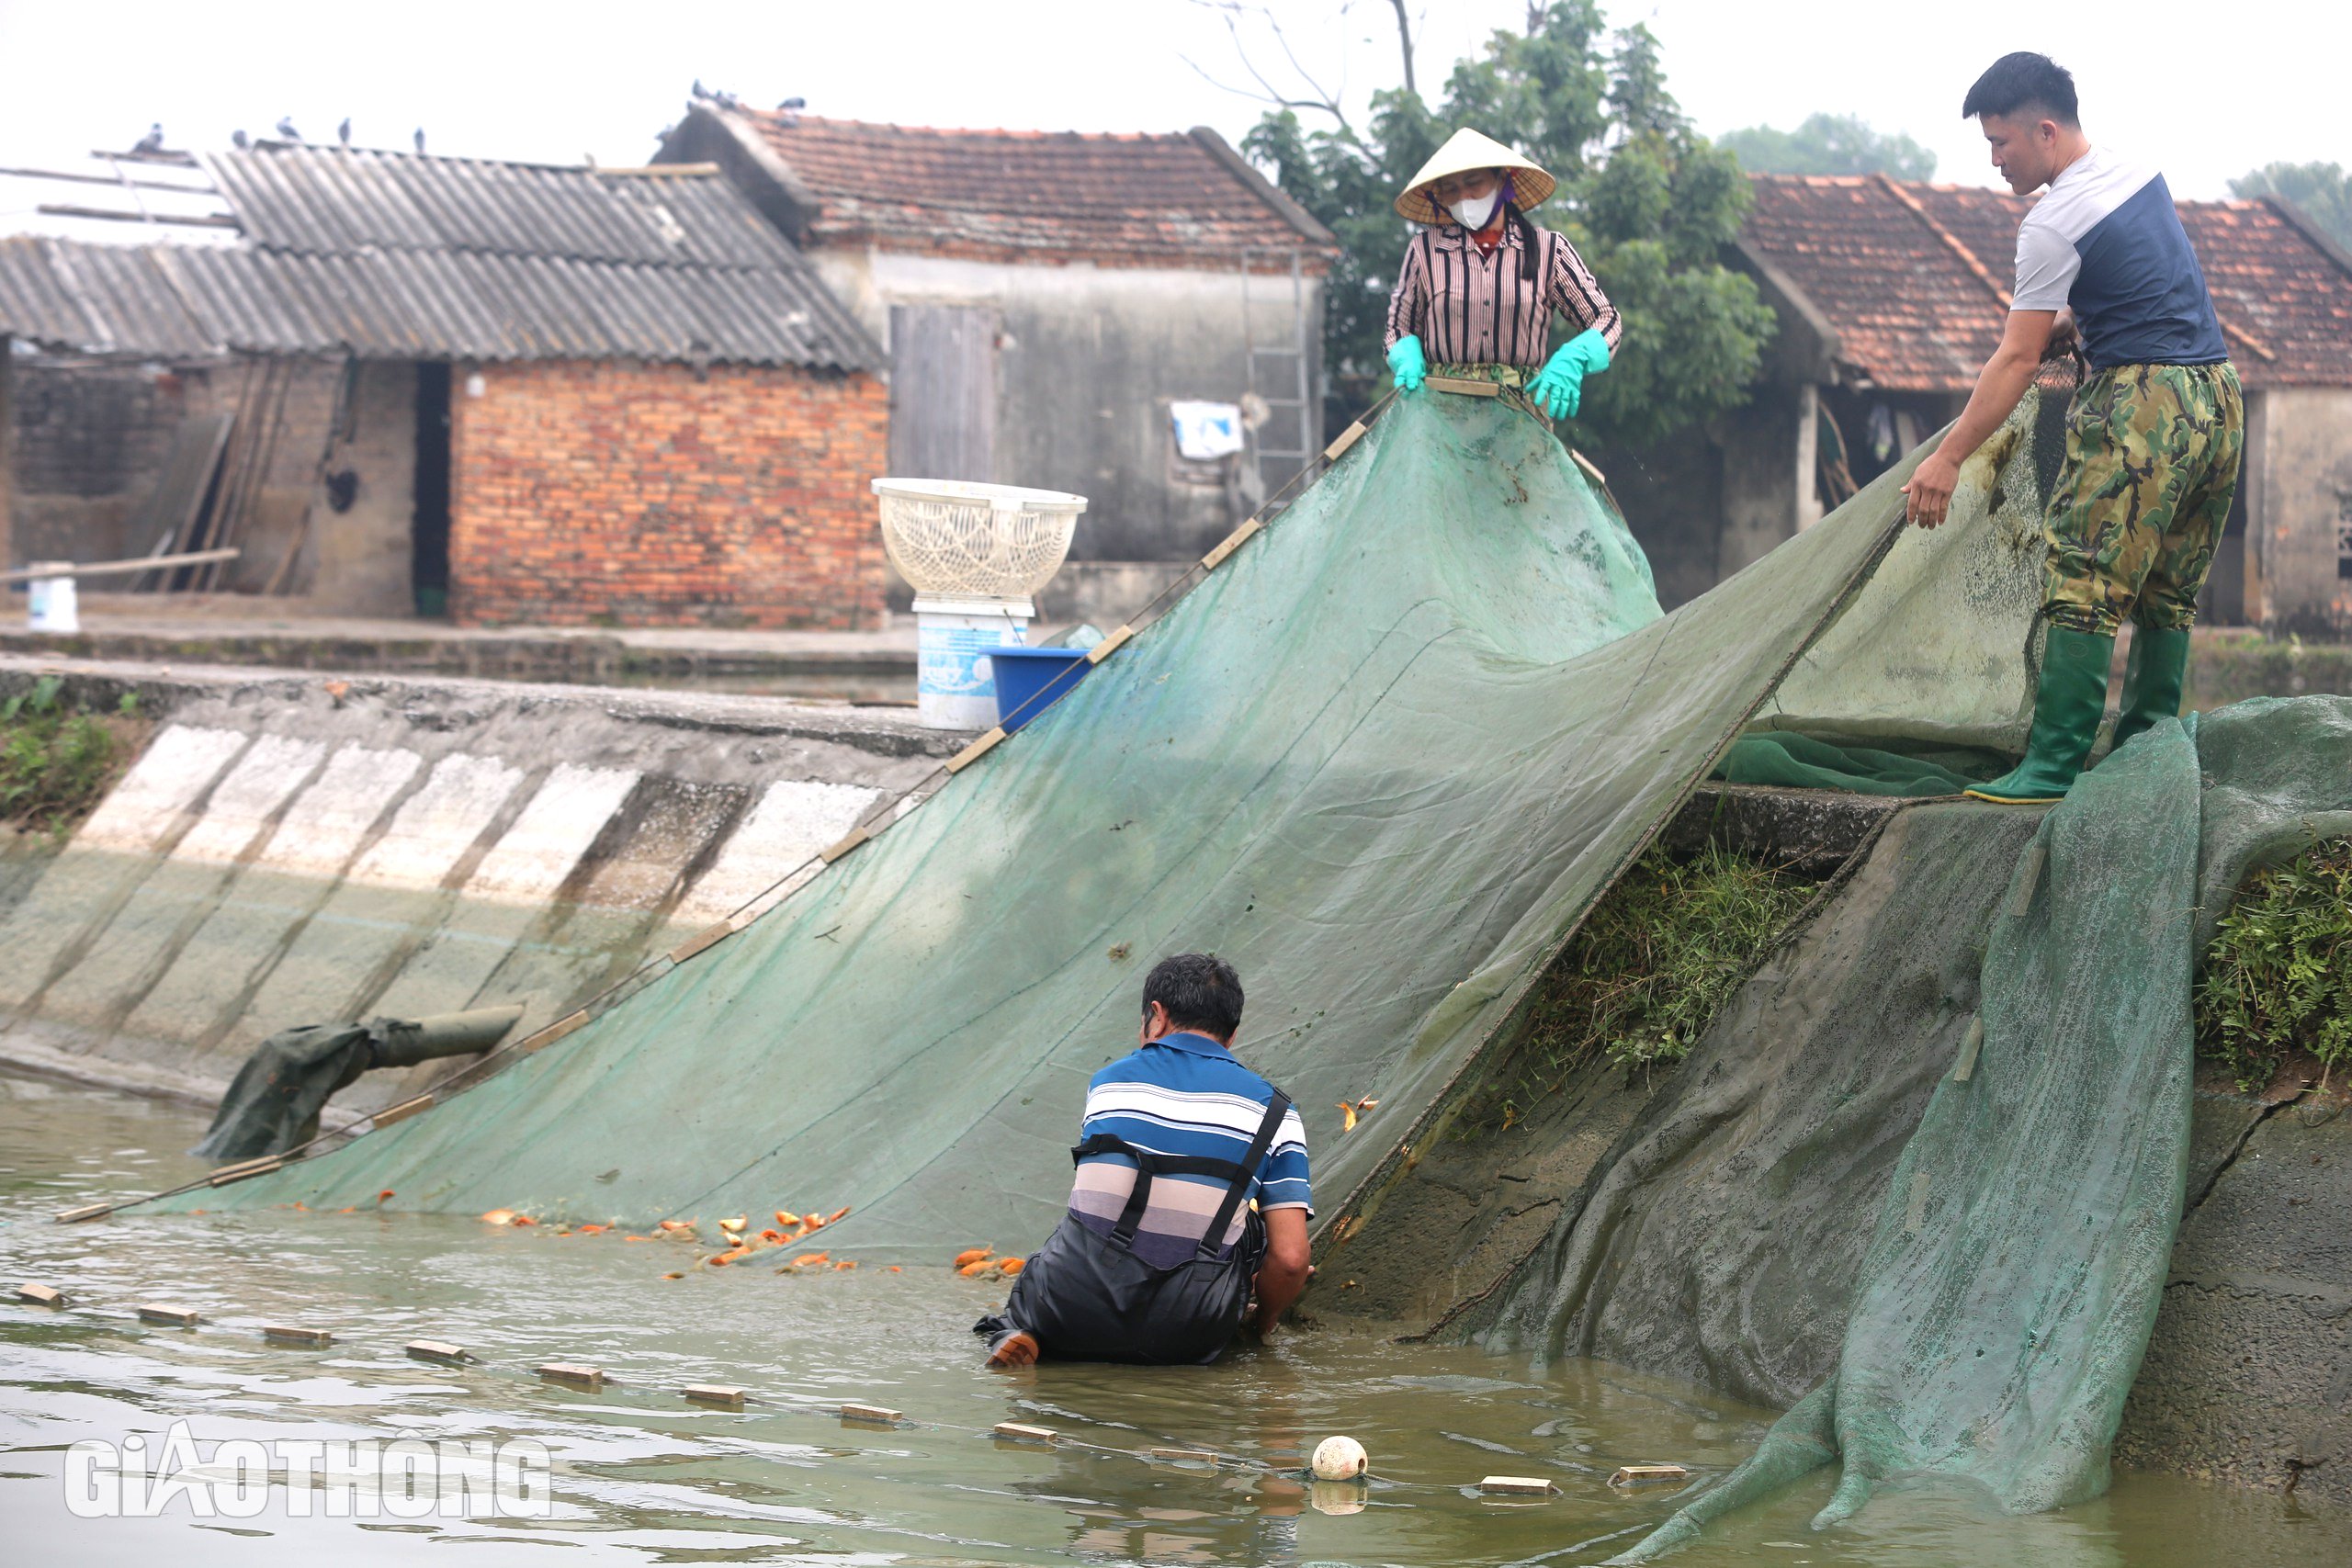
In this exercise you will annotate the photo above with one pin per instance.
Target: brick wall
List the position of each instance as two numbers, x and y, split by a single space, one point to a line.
609 492
86 444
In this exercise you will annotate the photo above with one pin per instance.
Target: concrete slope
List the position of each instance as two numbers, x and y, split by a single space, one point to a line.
290 850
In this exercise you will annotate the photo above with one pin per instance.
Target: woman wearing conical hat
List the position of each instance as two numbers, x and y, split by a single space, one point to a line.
1480 282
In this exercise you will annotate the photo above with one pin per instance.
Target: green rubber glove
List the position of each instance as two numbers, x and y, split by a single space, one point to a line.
1405 364
1559 385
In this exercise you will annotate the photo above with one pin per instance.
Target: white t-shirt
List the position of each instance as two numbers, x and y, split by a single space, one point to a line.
2105 240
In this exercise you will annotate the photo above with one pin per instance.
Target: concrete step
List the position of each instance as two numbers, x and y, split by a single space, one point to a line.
289 850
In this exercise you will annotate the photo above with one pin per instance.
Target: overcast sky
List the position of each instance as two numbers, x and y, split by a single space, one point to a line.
2205 91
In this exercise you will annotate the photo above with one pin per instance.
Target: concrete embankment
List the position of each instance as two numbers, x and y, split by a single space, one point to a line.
297 850
230 630
1706 1222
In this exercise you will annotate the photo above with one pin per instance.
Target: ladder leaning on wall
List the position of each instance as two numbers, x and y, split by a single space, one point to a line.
1278 355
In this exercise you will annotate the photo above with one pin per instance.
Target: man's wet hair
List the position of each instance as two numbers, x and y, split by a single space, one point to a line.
2021 81
1200 991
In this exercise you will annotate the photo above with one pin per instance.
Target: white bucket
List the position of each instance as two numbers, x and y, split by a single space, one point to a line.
954 686
51 600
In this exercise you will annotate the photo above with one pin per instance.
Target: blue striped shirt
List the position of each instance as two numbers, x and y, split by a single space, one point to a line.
1183 1094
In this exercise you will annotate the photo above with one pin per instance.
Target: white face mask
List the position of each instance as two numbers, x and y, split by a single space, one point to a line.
1473 212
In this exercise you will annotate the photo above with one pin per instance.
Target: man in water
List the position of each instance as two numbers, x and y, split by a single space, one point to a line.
1192 1191
2152 439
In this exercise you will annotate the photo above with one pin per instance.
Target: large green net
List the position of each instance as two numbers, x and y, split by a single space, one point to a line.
1983 1046
1385 758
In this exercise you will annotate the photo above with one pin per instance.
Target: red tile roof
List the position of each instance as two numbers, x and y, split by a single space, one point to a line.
1185 198
1914 278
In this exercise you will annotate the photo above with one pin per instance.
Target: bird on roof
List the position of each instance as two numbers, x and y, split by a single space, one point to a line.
342 131
285 128
699 90
151 143
420 139
240 141
791 104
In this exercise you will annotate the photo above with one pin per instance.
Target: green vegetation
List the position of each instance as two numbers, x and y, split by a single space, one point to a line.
1829 144
56 763
1659 957
1648 202
2322 192
2278 978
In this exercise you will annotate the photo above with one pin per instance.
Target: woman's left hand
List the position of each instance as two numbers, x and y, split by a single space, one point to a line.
1559 385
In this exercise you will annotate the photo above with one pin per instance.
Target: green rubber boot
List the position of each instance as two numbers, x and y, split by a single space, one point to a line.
2066 710
2153 681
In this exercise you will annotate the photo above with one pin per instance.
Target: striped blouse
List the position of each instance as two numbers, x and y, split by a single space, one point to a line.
1472 309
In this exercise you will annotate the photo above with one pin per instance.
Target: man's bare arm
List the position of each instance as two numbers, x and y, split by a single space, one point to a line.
1999 385
1284 1272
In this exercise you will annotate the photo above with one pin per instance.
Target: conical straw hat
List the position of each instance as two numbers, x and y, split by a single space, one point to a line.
1466 149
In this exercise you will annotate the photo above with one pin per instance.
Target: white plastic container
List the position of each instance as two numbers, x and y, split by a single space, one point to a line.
51 601
955 684
950 538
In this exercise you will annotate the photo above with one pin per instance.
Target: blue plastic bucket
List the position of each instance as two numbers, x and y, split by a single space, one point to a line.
1028 679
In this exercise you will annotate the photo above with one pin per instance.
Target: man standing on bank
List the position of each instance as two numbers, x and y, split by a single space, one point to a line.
2152 439
1191 1189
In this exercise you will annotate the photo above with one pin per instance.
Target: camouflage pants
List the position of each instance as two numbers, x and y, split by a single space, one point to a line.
2152 464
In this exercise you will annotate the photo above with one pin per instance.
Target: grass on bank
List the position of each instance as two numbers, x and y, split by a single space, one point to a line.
2278 978
1661 953
1642 980
1667 947
57 761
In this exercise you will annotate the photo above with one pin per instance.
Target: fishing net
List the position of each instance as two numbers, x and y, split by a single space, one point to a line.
2022 1157
1385 758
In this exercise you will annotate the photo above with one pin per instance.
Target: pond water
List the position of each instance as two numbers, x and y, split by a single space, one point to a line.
637 1474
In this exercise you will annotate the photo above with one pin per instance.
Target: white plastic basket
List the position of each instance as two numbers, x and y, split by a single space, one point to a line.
953 539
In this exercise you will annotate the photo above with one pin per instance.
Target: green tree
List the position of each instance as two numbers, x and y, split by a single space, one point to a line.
1830 144
2322 191
1649 203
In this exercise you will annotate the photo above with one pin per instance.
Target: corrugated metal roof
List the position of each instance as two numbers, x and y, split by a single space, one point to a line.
165 301
338 200
393 255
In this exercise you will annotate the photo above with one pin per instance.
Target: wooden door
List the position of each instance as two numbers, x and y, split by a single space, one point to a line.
943 392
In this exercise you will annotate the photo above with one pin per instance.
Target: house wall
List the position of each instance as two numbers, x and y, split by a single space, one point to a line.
358 561
1089 359
2298 497
1758 452
86 443
1706 502
1672 496
1712 499
605 492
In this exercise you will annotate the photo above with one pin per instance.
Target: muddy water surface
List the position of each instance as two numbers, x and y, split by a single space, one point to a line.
639 1476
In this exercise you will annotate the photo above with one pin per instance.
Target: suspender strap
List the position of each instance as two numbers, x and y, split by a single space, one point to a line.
1149 1164
1236 1176
1213 1239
